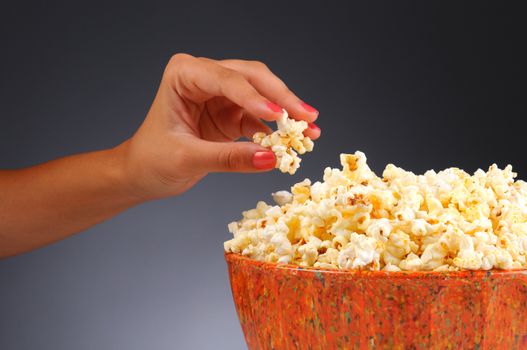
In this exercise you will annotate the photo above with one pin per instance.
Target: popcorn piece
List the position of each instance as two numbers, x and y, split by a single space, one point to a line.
439 221
286 143
282 197
391 268
358 253
411 263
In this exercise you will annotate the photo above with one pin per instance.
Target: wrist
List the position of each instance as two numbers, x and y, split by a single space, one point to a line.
123 176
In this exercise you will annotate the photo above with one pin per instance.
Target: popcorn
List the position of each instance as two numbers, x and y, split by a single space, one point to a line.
286 143
282 197
411 263
353 219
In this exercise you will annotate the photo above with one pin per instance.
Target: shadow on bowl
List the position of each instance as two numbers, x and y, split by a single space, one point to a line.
284 307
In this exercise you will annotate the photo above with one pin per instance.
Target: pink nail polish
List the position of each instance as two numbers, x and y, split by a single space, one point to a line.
313 126
309 108
264 160
274 107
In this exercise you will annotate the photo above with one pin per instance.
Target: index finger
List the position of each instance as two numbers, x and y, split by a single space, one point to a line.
272 87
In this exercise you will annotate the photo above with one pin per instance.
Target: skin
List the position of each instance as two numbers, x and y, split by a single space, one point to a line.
201 107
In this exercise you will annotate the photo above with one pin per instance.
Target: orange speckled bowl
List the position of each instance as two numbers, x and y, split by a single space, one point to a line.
285 307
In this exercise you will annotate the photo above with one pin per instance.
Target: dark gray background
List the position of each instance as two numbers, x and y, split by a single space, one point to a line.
423 86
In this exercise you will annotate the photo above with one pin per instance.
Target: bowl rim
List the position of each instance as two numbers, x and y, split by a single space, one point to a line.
295 269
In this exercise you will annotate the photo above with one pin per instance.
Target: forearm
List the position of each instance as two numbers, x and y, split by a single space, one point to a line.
48 202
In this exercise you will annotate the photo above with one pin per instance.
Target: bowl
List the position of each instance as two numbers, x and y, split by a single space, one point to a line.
285 307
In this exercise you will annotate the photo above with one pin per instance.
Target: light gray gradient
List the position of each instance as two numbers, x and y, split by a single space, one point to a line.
424 87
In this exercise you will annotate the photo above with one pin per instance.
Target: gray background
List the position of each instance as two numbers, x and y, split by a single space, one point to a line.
424 86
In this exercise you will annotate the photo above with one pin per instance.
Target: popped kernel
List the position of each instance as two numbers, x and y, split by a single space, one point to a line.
287 142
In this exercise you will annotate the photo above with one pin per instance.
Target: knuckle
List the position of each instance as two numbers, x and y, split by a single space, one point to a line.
175 69
176 61
284 88
180 57
229 74
258 65
230 158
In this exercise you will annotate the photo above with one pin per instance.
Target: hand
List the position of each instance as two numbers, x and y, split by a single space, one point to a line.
201 107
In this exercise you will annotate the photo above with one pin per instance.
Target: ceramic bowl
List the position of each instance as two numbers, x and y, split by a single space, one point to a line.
284 307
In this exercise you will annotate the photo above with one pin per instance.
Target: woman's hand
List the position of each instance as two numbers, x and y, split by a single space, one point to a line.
201 107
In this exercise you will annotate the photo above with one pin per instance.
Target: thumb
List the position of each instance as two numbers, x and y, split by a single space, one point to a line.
232 157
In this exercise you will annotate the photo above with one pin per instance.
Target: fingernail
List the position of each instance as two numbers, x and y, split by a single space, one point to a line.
274 107
264 160
313 126
309 108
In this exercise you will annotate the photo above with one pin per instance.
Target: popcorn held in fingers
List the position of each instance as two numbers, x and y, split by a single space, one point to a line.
286 142
439 221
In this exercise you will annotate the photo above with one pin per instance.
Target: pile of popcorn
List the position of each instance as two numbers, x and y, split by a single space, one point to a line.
287 139
441 221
